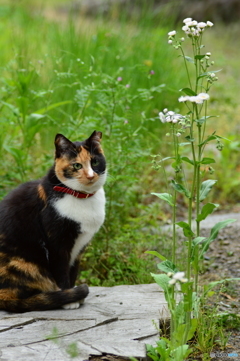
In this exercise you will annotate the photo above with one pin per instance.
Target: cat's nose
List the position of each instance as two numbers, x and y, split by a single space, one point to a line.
90 176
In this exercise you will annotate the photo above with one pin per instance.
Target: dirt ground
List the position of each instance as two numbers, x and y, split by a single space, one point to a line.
223 261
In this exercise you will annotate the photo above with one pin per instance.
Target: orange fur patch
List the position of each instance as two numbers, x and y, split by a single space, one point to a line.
60 164
83 156
3 272
40 282
23 266
8 294
44 284
41 193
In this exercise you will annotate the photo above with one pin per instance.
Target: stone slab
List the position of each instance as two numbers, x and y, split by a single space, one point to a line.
116 320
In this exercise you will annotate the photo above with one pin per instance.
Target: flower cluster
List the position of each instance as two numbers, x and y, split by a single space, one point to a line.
177 277
198 99
211 77
191 27
170 117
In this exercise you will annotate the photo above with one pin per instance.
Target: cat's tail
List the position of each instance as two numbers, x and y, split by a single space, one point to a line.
46 300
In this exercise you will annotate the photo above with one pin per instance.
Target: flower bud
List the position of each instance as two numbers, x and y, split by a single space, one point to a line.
172 33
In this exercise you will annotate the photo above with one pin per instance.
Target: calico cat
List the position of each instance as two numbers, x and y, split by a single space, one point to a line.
45 224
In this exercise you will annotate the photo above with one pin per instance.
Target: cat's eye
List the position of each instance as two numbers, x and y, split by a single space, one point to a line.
94 162
77 166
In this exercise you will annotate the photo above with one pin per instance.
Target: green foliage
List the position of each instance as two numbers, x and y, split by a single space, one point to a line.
70 80
184 296
122 260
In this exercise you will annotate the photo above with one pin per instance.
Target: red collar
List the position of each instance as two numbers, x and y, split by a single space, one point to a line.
73 192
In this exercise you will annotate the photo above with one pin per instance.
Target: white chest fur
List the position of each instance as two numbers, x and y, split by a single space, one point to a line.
89 213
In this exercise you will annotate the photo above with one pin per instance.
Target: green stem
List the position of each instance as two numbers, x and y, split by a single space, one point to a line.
185 63
176 154
174 247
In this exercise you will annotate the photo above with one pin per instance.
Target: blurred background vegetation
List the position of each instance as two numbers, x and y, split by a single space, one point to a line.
74 66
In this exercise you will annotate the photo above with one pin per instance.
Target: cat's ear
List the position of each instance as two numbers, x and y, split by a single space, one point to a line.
93 142
63 145
95 136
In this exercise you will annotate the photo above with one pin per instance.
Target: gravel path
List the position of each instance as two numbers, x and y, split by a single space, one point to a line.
223 261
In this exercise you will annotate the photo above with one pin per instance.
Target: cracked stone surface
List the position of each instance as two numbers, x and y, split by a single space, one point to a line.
116 320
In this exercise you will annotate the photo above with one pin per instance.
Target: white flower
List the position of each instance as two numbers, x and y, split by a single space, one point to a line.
192 99
170 117
183 98
187 20
165 110
175 118
185 28
172 33
203 96
192 23
182 39
208 54
162 117
210 24
179 276
201 25
198 100
169 41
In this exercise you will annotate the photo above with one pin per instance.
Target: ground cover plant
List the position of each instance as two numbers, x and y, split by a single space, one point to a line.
72 80
185 296
73 76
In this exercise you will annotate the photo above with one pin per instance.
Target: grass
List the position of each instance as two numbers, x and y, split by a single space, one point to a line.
74 75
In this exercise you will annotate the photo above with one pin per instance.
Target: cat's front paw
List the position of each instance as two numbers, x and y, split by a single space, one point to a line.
71 306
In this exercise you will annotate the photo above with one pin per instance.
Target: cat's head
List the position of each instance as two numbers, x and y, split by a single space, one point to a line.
80 165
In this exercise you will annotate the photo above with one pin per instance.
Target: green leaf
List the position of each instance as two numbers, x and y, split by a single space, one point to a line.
211 137
186 159
167 266
188 91
206 210
207 73
218 227
162 281
167 158
207 161
199 57
190 60
189 138
203 119
211 285
184 144
155 253
197 241
166 197
180 188
213 235
186 229
52 106
206 186
181 353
